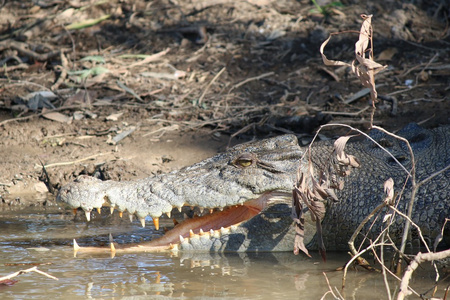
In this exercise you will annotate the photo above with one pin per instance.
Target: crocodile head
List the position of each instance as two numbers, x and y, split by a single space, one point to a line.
246 191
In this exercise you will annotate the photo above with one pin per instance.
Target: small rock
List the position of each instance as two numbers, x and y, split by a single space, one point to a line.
40 187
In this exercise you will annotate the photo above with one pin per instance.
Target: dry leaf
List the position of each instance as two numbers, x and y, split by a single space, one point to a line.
58 117
389 190
327 61
387 54
367 68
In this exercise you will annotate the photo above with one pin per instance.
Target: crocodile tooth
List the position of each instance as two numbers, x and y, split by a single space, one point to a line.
88 215
111 210
191 233
211 232
201 232
142 220
111 244
211 210
121 214
221 208
179 208
181 239
174 248
216 234
131 217
201 209
76 247
168 214
155 222
224 230
99 210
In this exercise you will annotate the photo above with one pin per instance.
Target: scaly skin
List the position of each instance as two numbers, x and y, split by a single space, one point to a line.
254 182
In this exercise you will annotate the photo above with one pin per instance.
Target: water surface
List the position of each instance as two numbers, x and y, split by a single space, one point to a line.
31 237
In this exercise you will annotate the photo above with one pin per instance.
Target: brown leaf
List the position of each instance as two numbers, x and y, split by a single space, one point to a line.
339 144
332 194
365 34
387 54
58 117
318 209
320 242
353 161
8 282
389 190
327 61
299 239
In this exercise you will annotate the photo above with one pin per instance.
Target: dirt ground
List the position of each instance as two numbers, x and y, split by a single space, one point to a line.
180 80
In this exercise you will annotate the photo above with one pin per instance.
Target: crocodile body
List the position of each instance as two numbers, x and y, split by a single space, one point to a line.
249 188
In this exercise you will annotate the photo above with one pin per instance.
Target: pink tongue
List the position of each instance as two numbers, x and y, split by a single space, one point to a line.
214 221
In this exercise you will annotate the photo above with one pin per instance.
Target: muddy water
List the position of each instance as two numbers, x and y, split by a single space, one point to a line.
31 237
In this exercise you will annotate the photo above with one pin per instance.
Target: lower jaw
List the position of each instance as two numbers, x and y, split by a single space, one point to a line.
213 225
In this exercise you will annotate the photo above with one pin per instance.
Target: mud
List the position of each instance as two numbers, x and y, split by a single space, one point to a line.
224 68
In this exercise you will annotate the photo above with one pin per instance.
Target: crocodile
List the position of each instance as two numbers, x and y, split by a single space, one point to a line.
243 196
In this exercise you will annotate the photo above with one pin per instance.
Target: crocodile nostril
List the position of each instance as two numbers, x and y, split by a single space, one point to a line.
400 158
418 138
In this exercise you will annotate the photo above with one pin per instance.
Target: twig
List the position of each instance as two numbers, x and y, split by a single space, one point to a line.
75 161
360 227
33 269
330 290
383 269
40 114
163 130
426 66
6 69
366 135
349 114
413 224
21 48
373 245
150 58
380 261
63 68
250 79
209 85
432 176
413 189
418 259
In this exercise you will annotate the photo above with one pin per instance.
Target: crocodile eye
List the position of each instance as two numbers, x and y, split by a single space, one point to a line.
244 161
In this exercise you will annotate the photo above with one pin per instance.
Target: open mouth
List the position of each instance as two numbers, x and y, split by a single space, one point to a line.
209 226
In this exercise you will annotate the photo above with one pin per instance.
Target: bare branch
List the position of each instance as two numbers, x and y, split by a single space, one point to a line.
418 259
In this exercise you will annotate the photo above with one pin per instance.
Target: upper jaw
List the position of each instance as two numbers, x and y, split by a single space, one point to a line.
89 194
214 228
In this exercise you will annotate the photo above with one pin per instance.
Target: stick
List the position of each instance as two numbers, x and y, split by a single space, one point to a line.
75 161
33 269
250 79
418 259
209 84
